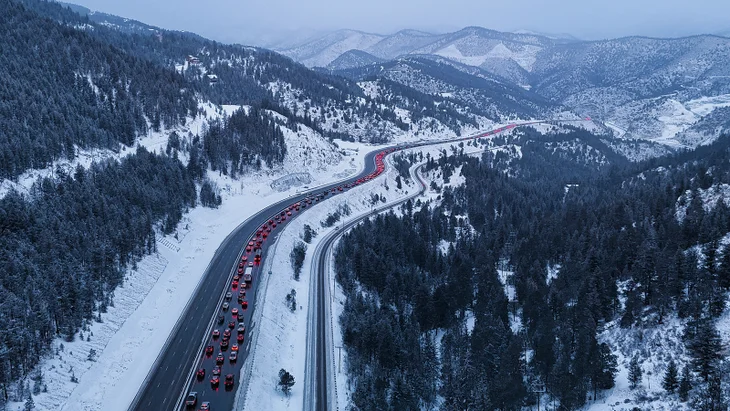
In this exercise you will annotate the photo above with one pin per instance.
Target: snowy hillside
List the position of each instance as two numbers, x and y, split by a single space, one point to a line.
323 50
656 89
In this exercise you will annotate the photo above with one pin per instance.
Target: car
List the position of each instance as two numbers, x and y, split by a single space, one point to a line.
240 270
244 305
250 243
283 213
234 312
239 338
192 398
265 234
339 188
219 358
216 334
224 344
288 213
250 263
259 231
241 328
244 258
209 350
225 306
226 333
205 406
274 226
234 285
232 324
229 380
233 356
214 381
268 229
283 218
241 297
234 347
200 373
216 370
248 248
229 295
236 277
240 265
221 318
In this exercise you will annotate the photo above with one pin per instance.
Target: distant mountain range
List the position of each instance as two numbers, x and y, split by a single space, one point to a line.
657 89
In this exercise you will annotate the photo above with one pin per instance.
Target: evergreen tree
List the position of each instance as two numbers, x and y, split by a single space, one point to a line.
705 348
685 384
29 403
671 378
286 381
635 372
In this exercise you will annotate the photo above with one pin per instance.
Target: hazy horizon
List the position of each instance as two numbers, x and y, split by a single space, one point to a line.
227 21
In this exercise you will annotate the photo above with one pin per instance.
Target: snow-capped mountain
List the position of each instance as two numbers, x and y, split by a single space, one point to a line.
352 59
321 51
657 89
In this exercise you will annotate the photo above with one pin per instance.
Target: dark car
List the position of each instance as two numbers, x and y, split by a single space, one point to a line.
219 359
224 344
232 324
221 319
216 334
239 338
214 381
201 373
209 350
229 381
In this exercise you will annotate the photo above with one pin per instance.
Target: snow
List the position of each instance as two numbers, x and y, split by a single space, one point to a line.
709 197
153 296
279 332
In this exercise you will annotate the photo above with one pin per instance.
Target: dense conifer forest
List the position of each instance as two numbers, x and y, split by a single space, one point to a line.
611 229
64 248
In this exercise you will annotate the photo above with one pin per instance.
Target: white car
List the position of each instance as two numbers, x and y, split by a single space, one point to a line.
225 306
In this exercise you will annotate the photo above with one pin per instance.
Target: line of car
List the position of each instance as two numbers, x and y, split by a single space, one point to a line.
244 277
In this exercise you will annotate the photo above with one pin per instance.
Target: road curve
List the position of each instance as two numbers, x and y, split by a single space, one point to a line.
318 393
171 376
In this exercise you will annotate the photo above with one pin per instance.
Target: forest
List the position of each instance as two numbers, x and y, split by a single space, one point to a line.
427 327
66 245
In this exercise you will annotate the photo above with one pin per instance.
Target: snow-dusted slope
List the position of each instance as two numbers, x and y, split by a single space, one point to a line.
323 50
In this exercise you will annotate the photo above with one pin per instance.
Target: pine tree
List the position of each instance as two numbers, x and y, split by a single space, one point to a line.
671 381
634 372
29 403
685 384
286 381
705 348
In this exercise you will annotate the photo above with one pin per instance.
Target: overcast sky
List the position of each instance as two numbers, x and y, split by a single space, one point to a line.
238 21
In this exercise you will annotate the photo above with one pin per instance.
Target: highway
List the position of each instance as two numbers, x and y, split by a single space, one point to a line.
172 375
318 391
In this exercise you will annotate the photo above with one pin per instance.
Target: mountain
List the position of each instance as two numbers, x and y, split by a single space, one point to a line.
352 59
481 92
655 89
321 51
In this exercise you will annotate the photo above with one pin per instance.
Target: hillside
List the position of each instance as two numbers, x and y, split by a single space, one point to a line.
639 84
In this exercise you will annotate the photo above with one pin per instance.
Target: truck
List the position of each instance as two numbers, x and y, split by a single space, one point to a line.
247 277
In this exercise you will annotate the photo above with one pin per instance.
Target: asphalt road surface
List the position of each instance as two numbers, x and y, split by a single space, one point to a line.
172 375
318 400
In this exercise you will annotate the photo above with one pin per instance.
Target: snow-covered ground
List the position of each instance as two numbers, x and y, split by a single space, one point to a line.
280 332
146 307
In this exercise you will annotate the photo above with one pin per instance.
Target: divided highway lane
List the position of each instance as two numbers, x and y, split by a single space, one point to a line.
172 375
168 379
318 395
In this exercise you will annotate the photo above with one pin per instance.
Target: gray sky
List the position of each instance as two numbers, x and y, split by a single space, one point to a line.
238 21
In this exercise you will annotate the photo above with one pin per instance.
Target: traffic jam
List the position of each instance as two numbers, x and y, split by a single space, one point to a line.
220 357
